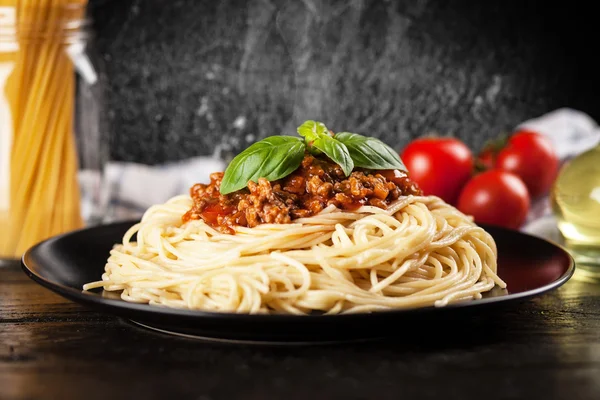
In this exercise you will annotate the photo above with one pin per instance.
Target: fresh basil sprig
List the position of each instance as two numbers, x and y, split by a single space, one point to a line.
369 152
312 130
271 158
318 138
275 157
336 151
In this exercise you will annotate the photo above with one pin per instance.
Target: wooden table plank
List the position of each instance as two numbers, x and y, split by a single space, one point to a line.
51 348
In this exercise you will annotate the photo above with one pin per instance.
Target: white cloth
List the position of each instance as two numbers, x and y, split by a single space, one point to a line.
132 188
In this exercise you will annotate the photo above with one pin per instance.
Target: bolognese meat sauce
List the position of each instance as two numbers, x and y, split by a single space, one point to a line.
316 184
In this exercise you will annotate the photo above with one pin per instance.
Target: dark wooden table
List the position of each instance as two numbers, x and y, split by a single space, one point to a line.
50 348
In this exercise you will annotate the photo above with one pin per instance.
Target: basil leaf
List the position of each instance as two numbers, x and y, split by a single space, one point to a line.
271 158
369 152
312 130
336 151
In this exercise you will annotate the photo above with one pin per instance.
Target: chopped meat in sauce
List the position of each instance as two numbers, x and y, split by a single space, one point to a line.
316 184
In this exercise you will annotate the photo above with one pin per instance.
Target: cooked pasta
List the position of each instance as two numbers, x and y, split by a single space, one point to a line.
419 251
42 196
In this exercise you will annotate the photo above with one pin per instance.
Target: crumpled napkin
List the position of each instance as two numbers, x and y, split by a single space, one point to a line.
131 188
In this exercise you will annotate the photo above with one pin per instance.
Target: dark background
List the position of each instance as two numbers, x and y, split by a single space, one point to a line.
198 77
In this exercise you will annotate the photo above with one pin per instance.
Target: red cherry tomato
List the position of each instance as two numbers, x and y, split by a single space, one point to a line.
486 159
440 166
496 197
532 157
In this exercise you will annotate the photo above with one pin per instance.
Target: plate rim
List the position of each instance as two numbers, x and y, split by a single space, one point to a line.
117 305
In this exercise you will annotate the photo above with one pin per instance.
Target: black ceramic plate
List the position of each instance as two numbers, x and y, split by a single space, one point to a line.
530 266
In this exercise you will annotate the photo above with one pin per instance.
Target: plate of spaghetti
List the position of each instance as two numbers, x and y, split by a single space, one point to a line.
321 237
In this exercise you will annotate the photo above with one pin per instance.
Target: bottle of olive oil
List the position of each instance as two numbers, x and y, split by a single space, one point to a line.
576 204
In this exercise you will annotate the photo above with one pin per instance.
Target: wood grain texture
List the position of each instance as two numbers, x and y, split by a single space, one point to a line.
50 348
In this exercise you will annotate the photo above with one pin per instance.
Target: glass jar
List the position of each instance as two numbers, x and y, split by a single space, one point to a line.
53 145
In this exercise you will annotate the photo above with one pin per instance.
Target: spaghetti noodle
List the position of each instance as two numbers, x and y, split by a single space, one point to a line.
42 196
417 252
